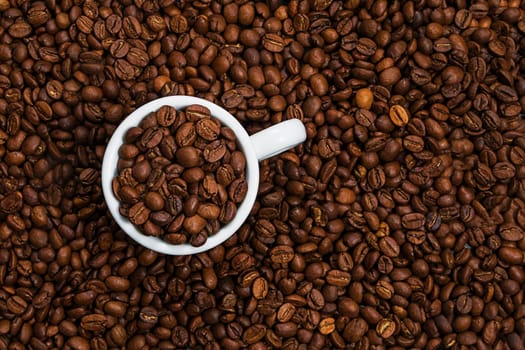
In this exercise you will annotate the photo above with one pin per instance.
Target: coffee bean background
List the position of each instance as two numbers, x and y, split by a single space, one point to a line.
398 224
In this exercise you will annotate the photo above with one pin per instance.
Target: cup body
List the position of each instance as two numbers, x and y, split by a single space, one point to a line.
109 171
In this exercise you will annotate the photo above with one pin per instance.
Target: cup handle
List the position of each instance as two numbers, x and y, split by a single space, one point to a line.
278 138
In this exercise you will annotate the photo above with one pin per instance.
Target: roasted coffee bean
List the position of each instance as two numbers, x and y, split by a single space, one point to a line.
94 323
355 329
16 305
189 156
147 317
138 214
237 190
282 254
20 29
260 288
178 24
398 115
364 98
286 312
413 221
119 48
254 333
389 247
386 328
214 151
207 128
390 76
414 143
166 116
327 326
185 135
273 42
225 174
117 284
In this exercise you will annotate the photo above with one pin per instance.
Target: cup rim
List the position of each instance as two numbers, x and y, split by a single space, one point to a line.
109 171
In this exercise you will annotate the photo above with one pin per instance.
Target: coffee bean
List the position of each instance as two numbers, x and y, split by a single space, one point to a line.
398 115
20 29
138 213
225 174
511 255
413 221
273 42
384 290
286 312
282 254
94 323
119 48
125 71
260 288
77 342
188 156
137 57
327 326
413 143
154 201
386 328
503 170
389 247
237 190
209 211
207 128
254 333
194 224
288 329
390 76
178 24
467 338
338 278
16 305
196 112
355 329
147 317
228 212
214 151
364 98
319 85
416 237
166 116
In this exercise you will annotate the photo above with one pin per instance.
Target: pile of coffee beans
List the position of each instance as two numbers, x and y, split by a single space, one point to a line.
398 224
181 175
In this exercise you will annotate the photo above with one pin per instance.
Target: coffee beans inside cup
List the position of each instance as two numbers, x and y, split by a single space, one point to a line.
181 175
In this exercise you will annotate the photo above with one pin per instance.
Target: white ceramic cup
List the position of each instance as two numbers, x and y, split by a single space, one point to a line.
264 144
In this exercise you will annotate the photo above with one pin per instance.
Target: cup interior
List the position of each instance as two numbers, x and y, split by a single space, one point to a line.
109 171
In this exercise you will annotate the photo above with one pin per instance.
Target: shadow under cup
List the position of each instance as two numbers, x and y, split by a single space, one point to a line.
109 171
